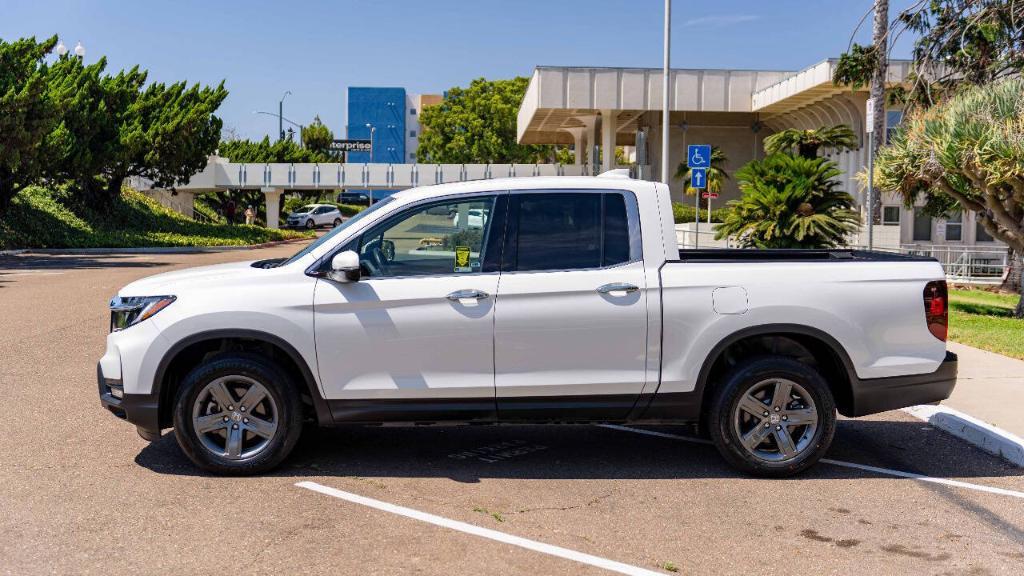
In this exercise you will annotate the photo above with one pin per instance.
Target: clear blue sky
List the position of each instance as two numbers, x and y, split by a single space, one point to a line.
318 48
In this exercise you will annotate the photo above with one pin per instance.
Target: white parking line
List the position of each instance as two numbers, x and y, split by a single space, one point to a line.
844 464
479 531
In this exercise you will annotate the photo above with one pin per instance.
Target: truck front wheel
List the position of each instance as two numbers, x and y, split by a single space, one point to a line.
772 416
237 414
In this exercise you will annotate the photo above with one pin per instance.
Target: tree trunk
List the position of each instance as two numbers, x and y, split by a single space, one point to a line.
1014 281
879 40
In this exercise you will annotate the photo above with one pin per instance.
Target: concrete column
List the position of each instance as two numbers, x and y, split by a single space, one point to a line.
273 197
608 128
579 143
590 134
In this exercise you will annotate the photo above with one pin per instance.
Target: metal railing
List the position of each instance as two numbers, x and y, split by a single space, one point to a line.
966 264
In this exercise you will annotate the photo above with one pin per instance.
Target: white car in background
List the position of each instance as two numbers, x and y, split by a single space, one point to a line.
313 215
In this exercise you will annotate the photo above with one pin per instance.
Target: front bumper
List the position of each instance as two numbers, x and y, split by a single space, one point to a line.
875 395
139 409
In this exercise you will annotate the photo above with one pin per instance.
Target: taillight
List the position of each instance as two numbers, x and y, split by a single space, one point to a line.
936 308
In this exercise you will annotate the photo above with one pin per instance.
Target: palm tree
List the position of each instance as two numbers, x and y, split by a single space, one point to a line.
807 142
716 173
789 202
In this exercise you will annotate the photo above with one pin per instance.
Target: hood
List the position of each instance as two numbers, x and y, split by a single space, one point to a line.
168 282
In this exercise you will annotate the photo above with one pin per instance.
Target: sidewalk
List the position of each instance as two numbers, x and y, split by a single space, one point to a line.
989 387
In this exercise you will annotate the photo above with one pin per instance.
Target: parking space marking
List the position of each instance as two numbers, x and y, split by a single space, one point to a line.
475 530
844 464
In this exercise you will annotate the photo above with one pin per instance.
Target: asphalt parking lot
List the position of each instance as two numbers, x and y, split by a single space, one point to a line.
81 493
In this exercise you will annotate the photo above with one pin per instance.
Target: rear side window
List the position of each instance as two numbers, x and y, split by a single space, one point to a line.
571 231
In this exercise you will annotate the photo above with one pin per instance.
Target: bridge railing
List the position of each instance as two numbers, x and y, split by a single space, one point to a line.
222 174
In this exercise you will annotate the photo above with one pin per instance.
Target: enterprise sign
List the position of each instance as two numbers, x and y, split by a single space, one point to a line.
350 146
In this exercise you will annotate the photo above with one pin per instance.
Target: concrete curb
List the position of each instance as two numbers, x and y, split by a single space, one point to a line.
989 438
151 250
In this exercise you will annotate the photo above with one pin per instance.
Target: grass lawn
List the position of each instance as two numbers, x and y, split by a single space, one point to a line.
984 320
39 218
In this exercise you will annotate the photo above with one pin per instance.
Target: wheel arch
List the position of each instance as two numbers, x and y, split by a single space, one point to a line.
790 340
184 353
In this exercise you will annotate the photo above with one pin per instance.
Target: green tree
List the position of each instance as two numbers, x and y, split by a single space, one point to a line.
965 152
716 172
807 142
958 43
265 151
27 114
317 137
477 124
789 202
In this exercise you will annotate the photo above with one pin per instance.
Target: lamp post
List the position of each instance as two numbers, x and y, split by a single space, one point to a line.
280 115
61 49
280 119
372 130
664 95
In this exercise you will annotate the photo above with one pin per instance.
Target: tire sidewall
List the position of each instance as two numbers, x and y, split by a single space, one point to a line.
310 225
278 385
726 402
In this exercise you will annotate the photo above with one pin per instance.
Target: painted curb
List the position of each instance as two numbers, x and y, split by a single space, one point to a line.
13 252
989 438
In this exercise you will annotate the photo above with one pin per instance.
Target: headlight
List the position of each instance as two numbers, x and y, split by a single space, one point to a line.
127 312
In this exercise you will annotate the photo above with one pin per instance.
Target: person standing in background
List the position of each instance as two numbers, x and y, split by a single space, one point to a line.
250 216
229 212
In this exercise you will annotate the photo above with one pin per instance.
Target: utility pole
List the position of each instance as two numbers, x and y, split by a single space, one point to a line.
664 95
280 115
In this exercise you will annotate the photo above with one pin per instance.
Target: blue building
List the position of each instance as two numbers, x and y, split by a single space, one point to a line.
384 111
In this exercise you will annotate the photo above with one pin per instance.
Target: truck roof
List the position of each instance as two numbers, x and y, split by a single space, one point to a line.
610 181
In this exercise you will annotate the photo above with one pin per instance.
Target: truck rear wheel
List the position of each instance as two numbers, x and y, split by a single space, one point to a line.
772 416
237 414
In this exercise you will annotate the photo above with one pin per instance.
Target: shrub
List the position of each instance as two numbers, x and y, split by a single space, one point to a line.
37 219
684 213
790 202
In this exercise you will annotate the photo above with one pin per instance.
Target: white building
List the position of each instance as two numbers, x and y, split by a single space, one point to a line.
596 109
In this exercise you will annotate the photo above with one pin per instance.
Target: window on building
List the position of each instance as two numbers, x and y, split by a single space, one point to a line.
891 215
412 133
982 235
572 231
893 118
412 156
412 111
922 226
955 227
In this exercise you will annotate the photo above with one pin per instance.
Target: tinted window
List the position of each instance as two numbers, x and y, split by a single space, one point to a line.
980 234
890 215
954 227
922 226
567 231
616 230
447 238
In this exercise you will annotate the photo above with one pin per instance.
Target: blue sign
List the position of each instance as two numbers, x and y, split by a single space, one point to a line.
698 156
698 178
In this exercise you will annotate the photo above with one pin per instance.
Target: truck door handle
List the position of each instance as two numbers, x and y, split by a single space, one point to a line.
467 294
617 287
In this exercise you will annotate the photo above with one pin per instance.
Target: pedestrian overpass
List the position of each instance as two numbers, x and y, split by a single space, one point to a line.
274 179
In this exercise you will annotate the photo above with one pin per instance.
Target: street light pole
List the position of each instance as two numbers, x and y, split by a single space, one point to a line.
664 95
280 115
372 130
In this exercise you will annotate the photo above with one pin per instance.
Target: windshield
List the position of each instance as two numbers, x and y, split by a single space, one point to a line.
304 210
338 229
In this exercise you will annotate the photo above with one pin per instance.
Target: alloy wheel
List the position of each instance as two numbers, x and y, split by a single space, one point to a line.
775 420
235 417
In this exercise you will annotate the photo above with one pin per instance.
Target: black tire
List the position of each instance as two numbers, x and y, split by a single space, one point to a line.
310 224
337 222
280 389
726 417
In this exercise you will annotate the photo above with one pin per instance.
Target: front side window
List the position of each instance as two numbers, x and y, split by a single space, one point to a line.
438 239
571 231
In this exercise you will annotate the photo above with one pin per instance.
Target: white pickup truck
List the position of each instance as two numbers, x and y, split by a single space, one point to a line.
526 300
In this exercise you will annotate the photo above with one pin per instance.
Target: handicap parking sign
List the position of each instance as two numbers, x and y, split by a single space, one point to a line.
698 156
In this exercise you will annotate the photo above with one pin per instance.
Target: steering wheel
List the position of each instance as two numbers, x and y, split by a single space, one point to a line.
374 259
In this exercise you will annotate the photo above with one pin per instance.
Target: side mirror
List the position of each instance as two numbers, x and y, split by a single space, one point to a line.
345 267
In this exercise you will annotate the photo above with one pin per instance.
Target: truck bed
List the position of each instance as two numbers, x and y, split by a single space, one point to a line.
791 255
